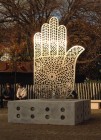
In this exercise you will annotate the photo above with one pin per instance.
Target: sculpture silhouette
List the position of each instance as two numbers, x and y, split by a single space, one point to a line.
54 66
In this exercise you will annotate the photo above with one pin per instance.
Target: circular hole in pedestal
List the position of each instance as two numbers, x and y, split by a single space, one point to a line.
47 116
32 108
62 109
18 108
47 109
62 117
18 115
32 116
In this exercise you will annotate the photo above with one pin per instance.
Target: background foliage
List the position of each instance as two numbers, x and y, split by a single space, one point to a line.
21 19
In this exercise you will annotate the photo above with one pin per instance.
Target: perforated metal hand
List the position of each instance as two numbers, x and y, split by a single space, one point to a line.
54 67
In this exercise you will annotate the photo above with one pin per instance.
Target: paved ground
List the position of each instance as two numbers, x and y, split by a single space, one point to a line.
89 130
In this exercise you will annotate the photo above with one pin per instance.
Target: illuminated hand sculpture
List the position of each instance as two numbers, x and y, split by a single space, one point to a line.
54 67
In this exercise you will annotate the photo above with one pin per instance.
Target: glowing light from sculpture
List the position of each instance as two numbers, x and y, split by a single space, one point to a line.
54 67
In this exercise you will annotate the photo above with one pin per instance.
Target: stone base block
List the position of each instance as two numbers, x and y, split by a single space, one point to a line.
87 109
49 111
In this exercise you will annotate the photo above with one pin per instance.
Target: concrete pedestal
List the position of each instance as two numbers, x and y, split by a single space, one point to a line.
49 111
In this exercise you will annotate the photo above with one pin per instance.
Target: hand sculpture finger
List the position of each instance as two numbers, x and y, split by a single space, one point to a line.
45 30
37 45
62 40
53 22
73 53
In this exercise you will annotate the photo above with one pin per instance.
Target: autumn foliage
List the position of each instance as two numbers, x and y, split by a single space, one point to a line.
20 20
